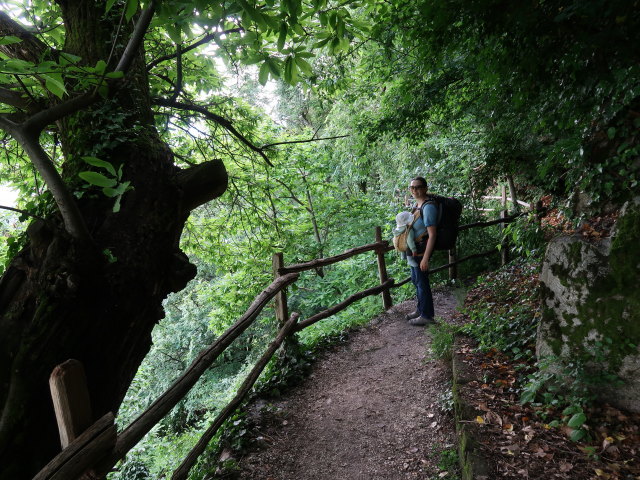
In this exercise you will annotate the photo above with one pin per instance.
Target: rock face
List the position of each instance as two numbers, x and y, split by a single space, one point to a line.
590 327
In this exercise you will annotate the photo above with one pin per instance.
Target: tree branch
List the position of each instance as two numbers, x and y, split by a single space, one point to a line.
136 38
223 122
302 141
30 49
73 220
8 126
37 122
292 195
23 212
28 133
15 99
202 183
178 87
206 39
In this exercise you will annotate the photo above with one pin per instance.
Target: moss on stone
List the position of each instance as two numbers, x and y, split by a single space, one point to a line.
608 315
574 253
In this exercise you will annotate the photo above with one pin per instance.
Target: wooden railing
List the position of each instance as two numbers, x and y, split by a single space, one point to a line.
91 452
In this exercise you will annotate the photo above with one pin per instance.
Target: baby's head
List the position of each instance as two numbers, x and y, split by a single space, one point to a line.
404 218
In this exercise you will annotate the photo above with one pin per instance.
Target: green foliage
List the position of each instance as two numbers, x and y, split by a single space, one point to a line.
10 238
525 237
132 469
442 335
287 368
513 331
446 401
503 90
571 386
449 461
111 183
13 226
505 322
462 93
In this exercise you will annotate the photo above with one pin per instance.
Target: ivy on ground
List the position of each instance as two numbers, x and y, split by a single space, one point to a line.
525 417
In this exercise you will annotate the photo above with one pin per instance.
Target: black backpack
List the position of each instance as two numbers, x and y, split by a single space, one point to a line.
449 211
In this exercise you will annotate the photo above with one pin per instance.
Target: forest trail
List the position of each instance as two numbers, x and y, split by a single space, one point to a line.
372 408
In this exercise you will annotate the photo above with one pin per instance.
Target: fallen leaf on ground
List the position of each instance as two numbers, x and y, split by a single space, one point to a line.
493 418
565 467
511 449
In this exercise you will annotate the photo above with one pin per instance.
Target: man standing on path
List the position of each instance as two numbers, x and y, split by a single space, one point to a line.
424 230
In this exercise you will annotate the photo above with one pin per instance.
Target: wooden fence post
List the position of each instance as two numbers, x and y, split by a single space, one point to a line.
504 251
70 395
512 190
282 311
453 269
387 303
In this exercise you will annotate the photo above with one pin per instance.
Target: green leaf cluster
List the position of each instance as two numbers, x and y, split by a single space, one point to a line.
110 182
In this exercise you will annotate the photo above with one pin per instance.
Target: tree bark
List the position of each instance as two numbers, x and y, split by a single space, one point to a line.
95 303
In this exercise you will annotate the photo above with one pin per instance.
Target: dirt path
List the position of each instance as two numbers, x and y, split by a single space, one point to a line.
371 409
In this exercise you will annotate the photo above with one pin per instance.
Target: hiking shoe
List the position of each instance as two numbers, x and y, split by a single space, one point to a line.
420 321
412 315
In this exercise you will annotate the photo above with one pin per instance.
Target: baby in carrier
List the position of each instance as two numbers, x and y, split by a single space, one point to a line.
404 233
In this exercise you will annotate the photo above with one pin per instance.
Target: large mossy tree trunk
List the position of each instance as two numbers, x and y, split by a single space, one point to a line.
60 299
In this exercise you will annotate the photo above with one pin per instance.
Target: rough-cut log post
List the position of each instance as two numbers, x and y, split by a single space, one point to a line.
282 313
387 303
281 305
453 269
71 403
504 252
512 190
182 471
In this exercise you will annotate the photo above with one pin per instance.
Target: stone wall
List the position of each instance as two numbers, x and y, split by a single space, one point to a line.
591 308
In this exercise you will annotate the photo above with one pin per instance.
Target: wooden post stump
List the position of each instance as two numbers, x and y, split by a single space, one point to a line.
504 250
282 311
68 385
387 302
453 269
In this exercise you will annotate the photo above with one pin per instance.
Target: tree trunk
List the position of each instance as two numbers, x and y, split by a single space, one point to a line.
98 303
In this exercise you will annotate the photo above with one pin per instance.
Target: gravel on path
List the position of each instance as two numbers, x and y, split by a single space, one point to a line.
376 407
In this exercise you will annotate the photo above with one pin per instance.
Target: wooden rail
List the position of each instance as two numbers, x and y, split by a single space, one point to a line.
321 262
497 197
96 450
182 471
344 304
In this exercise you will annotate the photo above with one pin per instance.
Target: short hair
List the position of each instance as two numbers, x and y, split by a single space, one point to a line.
421 179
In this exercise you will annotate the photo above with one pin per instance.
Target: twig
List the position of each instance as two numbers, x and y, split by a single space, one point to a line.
223 122
207 38
24 212
303 141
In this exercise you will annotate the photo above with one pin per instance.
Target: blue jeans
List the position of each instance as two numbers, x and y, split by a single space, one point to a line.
423 291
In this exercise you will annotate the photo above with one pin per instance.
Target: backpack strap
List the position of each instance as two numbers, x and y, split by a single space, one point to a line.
433 200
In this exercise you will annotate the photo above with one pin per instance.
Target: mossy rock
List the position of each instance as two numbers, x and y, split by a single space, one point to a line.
591 308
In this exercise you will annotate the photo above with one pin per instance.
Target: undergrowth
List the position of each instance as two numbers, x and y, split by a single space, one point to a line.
441 346
503 309
503 313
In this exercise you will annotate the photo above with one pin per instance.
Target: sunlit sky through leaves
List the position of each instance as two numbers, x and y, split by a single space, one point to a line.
7 196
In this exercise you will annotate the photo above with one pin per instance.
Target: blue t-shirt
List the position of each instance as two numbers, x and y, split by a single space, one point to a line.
429 218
